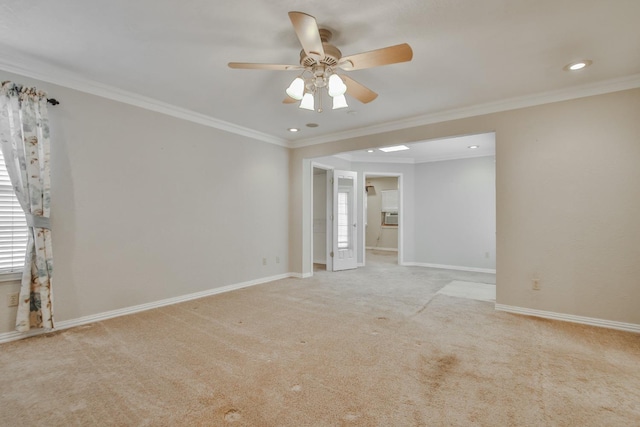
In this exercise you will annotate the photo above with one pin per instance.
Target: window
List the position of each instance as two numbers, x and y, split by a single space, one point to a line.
13 225
343 220
390 201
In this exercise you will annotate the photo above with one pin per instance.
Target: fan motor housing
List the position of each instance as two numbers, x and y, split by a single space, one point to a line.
331 53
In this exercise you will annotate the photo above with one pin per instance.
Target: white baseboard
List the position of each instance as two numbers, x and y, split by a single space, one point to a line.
450 267
382 249
301 275
66 324
611 324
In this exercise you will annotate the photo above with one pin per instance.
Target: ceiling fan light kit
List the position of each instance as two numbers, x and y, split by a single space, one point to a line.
339 101
296 89
336 86
307 102
319 61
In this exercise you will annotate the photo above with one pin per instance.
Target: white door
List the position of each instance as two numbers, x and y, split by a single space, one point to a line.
344 223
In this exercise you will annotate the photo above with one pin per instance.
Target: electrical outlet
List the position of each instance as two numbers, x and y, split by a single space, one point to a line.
486 255
264 261
277 260
12 299
536 284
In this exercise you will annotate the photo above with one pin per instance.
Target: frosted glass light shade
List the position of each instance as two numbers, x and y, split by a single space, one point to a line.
339 101
307 101
296 89
336 86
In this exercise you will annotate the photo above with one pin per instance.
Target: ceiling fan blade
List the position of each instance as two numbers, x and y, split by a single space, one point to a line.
358 91
254 66
375 58
288 100
308 33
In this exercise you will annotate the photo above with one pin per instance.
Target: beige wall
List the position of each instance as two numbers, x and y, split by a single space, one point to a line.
147 207
567 201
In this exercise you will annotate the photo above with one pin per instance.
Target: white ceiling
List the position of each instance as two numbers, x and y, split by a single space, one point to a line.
433 150
467 54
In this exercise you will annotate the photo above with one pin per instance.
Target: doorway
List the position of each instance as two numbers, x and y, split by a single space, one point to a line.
448 217
381 212
334 219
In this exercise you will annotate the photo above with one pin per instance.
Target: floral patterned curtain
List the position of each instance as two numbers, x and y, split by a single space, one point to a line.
24 138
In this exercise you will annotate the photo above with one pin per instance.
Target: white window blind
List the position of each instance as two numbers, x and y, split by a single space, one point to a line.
390 201
13 226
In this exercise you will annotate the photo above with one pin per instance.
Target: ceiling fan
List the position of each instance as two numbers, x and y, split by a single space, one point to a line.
320 61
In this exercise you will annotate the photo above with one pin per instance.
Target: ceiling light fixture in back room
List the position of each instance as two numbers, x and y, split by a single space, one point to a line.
319 63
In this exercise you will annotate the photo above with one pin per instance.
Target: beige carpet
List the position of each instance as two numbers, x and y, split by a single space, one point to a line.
373 347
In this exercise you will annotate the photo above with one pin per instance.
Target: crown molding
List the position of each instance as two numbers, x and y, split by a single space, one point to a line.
57 76
416 160
380 159
344 156
420 160
599 88
50 74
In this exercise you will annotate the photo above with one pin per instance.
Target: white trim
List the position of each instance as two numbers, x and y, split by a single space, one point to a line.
344 156
599 88
10 277
456 157
603 323
378 159
450 267
382 249
360 264
418 160
66 324
50 74
327 259
301 275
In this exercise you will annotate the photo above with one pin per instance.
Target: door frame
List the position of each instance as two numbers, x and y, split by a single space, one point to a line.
329 207
354 225
401 216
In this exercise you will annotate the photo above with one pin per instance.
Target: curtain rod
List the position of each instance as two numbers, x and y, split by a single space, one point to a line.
53 101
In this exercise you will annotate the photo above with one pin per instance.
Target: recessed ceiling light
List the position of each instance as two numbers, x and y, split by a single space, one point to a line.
293 129
394 148
369 151
312 125
578 65
473 147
